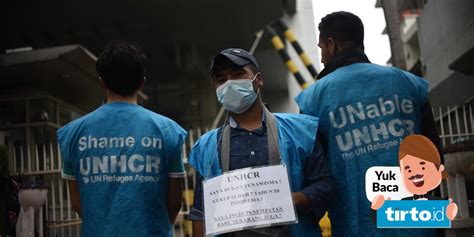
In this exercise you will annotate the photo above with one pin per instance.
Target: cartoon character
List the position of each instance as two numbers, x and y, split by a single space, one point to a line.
421 170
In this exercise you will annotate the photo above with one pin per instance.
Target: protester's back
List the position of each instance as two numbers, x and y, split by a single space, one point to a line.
121 155
365 110
123 162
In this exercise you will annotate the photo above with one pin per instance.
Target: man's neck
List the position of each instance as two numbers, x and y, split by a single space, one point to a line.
114 97
250 119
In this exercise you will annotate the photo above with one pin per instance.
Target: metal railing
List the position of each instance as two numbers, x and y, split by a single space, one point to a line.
454 123
44 162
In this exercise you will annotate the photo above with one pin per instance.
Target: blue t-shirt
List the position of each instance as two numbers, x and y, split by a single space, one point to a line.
121 156
365 110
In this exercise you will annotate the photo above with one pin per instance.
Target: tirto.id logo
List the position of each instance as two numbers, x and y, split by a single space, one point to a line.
413 214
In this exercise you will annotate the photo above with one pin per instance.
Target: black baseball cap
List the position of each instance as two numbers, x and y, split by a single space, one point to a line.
239 57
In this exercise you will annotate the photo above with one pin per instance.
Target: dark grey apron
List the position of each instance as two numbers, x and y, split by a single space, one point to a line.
274 159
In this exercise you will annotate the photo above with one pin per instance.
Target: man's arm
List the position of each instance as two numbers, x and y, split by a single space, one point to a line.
302 203
196 215
176 176
75 198
67 173
319 185
198 228
175 197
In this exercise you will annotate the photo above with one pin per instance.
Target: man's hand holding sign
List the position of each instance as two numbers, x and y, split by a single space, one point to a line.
420 172
248 198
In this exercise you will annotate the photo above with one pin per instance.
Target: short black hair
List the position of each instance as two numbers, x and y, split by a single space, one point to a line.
122 67
343 27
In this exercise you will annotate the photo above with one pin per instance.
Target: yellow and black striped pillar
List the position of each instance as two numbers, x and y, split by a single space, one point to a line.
294 42
280 47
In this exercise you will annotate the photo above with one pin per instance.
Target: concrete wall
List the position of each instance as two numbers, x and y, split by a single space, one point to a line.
304 27
446 31
411 46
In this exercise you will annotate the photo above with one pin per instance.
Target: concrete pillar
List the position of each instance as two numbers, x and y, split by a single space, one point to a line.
2 137
304 26
280 85
457 191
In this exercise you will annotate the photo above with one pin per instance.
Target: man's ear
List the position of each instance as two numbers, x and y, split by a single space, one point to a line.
331 44
441 168
260 80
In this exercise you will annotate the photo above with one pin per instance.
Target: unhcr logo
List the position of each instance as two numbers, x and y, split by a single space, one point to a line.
372 132
119 168
113 164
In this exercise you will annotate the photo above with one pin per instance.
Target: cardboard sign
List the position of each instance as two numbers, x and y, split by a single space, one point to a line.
248 198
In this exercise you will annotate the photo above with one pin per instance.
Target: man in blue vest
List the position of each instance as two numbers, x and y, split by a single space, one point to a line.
123 162
238 82
365 110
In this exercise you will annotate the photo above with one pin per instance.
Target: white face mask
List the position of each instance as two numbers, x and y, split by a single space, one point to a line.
238 95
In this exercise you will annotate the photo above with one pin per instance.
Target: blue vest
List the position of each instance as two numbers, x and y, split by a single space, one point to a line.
121 156
365 110
297 136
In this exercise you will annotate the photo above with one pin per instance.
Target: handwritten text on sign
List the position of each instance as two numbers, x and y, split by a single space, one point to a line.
248 198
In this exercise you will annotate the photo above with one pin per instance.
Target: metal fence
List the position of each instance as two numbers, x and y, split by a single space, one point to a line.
44 162
454 123
183 226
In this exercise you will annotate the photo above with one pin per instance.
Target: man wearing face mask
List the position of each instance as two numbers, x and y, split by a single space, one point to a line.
252 136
